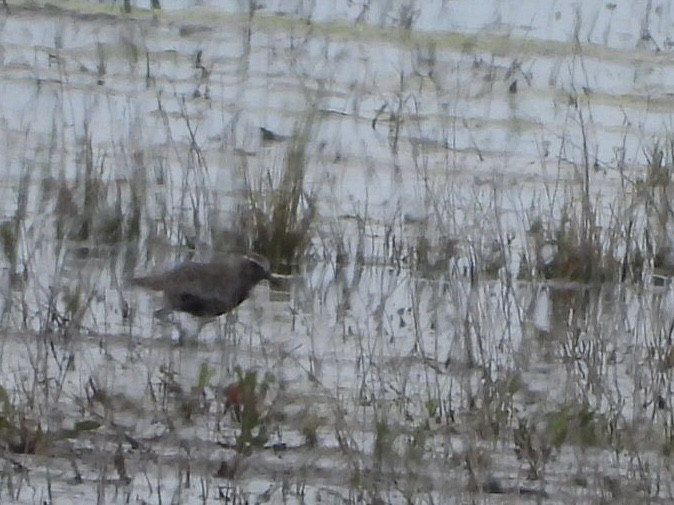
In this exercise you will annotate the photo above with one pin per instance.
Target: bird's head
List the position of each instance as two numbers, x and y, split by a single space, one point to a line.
260 267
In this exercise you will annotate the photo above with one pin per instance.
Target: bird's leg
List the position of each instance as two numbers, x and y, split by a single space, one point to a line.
230 326
182 334
163 315
193 335
200 326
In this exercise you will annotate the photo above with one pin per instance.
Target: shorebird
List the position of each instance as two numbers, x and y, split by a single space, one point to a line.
207 290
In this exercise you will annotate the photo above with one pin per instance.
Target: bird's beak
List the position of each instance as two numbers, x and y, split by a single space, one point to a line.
278 281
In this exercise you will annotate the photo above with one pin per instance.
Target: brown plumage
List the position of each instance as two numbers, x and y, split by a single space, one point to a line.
208 289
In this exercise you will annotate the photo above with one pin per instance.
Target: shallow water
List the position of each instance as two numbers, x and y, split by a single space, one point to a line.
390 379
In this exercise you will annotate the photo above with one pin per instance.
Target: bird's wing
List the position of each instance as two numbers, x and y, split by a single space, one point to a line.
214 287
198 305
187 273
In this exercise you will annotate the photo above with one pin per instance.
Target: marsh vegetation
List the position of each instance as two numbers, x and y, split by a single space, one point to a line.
474 227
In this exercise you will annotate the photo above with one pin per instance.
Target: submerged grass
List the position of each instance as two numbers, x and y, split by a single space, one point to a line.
425 356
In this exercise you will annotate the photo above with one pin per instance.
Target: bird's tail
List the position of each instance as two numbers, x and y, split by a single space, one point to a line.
155 282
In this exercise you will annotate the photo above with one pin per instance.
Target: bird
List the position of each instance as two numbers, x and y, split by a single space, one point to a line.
207 290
